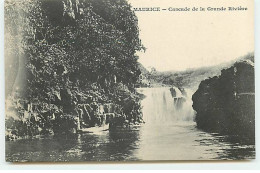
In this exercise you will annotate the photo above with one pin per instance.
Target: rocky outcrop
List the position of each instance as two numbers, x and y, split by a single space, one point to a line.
225 103
173 92
179 96
54 63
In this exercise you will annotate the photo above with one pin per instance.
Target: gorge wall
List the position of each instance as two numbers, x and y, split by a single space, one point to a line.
62 56
226 104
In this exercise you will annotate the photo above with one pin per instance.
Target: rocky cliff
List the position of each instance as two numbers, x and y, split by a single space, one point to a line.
226 104
65 59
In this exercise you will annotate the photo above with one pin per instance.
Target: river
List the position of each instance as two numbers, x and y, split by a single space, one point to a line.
169 133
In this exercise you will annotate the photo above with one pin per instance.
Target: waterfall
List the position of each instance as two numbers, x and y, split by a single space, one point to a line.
161 106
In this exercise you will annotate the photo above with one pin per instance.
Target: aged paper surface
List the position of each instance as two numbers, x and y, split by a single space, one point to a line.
129 80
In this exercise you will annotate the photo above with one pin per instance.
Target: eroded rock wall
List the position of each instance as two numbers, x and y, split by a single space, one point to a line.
226 103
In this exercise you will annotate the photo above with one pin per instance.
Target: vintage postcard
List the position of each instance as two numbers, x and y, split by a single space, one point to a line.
129 80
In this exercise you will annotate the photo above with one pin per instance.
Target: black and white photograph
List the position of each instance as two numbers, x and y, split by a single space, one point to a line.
129 80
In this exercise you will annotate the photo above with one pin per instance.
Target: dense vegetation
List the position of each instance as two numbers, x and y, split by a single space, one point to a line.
69 53
190 78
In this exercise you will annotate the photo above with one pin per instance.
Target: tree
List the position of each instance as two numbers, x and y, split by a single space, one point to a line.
74 47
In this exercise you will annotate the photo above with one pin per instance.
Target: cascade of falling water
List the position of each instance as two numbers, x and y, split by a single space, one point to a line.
159 106
185 112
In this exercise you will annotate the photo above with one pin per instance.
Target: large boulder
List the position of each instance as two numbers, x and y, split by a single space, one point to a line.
225 103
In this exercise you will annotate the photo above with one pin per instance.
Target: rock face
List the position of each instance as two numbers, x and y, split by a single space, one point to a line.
52 65
226 104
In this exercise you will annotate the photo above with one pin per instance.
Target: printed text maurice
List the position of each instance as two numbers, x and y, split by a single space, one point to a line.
173 9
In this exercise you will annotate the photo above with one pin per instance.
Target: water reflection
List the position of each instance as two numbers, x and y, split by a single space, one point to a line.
105 146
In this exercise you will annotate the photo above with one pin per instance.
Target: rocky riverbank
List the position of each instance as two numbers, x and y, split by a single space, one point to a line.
226 104
70 65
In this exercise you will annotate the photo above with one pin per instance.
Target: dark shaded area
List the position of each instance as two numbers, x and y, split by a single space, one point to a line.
112 146
70 59
226 103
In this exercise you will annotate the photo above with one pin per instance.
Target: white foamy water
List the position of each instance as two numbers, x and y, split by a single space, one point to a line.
170 132
159 106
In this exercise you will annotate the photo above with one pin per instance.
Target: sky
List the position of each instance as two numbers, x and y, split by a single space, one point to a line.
183 40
